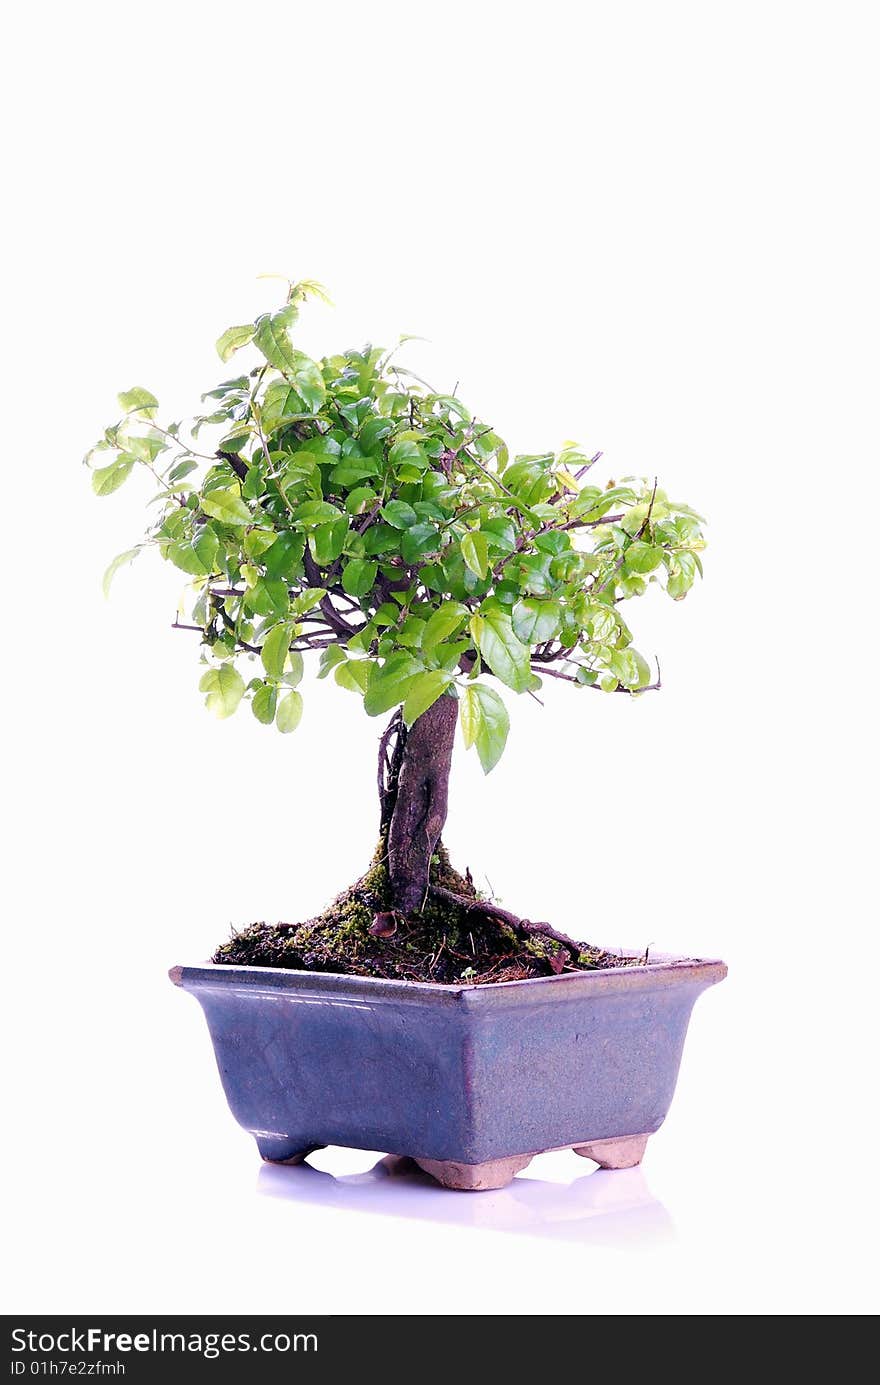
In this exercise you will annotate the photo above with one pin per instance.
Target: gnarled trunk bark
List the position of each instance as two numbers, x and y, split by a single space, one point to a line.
414 767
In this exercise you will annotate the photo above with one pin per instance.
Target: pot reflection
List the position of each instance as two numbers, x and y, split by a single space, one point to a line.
603 1207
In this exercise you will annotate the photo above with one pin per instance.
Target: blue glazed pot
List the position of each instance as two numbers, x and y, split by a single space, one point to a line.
470 1081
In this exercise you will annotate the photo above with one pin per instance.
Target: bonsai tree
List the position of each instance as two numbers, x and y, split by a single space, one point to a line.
345 509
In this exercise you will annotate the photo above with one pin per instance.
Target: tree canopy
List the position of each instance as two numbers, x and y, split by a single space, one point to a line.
345 507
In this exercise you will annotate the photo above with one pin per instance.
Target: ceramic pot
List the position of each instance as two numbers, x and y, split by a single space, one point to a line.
470 1081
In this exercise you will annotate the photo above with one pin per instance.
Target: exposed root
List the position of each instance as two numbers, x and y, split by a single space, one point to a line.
524 927
455 938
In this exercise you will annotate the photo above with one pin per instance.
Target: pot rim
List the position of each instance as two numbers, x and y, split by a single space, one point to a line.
666 970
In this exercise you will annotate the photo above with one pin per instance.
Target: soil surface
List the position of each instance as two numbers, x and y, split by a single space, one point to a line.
444 942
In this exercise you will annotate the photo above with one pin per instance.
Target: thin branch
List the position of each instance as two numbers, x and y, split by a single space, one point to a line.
468 440
265 446
495 481
588 523
301 645
571 678
582 470
460 514
403 370
334 619
368 519
230 626
555 673
178 442
306 642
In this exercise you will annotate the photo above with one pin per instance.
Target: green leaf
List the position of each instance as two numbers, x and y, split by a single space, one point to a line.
324 446
600 622
264 702
328 541
530 478
484 722
182 469
381 538
289 713
226 505
449 655
254 484
475 551
407 453
284 557
643 668
623 665
354 675
411 633
387 614
107 479
268 597
418 541
535 621
643 557
258 541
358 500
206 545
398 513
424 692
358 576
293 670
119 561
306 288
499 647
231 341
390 684
312 513
275 648
534 574
500 533
224 687
307 600
351 470
183 555
233 442
239 385
682 571
272 338
373 433
469 714
554 542
137 400
330 657
506 592
281 402
446 621
146 447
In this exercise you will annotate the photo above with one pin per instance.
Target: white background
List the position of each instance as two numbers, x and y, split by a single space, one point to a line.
652 228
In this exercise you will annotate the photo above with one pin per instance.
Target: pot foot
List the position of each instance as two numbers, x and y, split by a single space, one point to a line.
475 1178
282 1152
615 1154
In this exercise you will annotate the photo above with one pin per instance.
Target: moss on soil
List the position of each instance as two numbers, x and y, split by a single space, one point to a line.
443 943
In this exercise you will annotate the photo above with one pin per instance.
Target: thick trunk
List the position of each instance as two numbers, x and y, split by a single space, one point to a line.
413 789
414 767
